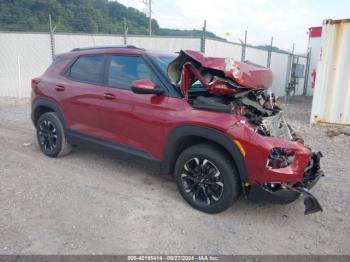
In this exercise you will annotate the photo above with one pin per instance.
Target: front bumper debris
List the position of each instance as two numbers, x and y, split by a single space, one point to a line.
310 202
283 193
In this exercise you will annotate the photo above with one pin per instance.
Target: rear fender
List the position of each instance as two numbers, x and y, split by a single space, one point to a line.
46 103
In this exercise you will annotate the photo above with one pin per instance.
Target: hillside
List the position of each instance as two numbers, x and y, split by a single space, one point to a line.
87 16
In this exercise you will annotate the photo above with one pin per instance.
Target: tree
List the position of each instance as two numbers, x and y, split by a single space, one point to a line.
87 16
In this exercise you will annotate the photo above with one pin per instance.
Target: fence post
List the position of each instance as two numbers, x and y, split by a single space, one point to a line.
52 39
289 72
202 47
269 52
125 32
307 70
19 77
244 45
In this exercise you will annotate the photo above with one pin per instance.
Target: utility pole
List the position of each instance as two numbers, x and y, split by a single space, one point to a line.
125 32
52 40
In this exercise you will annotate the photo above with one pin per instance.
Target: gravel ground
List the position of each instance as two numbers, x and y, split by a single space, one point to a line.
89 202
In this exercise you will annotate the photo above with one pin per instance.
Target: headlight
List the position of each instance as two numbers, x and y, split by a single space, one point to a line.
280 158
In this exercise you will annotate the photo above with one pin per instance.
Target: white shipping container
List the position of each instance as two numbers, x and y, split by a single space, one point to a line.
331 101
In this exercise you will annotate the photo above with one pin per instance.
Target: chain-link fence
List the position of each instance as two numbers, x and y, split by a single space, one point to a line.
27 55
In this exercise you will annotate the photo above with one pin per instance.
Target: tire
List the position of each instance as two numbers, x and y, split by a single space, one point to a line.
51 136
199 180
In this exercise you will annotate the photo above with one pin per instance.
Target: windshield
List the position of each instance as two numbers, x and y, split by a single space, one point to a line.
162 61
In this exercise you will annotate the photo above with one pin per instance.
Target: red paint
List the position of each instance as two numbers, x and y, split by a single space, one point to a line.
244 74
252 76
257 150
143 83
313 78
145 121
315 31
215 87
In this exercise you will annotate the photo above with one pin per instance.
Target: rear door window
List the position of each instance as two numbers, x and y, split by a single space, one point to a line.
87 69
123 70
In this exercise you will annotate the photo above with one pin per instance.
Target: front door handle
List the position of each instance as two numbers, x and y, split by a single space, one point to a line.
109 96
59 87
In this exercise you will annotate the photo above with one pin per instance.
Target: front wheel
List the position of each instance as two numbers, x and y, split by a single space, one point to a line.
207 178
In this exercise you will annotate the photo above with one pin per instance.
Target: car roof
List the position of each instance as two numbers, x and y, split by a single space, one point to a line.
105 47
128 49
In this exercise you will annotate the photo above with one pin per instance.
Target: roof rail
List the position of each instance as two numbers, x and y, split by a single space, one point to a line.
105 47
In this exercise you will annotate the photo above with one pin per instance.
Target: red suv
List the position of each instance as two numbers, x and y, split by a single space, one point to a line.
208 121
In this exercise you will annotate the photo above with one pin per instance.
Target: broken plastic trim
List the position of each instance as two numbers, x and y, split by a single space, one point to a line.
311 176
284 196
310 202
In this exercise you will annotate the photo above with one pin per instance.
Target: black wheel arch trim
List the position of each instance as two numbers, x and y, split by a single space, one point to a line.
49 103
214 135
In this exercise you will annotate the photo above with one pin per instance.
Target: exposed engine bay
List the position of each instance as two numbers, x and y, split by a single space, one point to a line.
260 110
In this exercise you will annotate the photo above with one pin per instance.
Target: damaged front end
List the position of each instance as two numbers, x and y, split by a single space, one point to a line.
284 193
281 168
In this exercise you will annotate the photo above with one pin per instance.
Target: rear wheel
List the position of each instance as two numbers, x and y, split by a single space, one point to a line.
207 178
51 136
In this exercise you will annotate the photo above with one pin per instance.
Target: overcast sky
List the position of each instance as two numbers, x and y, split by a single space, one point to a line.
286 20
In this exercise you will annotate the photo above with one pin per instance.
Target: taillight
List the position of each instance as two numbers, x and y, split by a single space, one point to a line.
35 82
280 158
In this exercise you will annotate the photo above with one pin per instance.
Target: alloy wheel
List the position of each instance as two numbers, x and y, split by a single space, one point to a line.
202 181
47 134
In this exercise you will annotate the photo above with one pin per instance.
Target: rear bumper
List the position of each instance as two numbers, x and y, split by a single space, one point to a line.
284 193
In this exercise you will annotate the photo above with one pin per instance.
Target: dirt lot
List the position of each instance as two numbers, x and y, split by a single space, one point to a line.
88 202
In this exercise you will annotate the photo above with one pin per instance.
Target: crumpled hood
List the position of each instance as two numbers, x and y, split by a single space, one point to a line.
244 75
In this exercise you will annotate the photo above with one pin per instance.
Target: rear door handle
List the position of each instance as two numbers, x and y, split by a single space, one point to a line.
59 87
109 96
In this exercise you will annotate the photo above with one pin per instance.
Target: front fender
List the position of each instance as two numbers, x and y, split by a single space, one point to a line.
210 134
